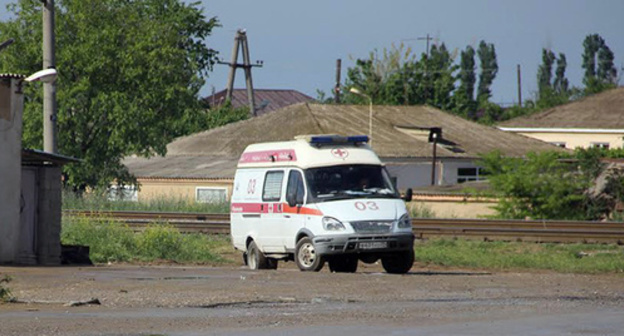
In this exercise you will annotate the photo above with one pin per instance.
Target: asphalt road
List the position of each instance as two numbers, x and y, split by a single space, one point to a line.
194 300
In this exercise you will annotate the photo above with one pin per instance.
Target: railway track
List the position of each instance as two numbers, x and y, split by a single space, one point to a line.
423 228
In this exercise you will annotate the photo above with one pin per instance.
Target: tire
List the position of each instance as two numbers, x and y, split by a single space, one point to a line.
255 258
306 258
398 263
271 263
343 264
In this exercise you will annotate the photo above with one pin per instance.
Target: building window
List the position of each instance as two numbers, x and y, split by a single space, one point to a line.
272 190
558 144
469 174
210 195
125 193
604 145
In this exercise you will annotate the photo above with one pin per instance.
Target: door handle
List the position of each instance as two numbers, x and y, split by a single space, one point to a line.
286 216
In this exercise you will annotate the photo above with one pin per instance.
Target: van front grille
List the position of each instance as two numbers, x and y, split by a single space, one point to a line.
372 226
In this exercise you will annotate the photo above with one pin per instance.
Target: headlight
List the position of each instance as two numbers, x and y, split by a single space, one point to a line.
405 222
332 224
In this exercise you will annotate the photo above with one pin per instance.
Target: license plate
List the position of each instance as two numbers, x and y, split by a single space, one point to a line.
372 245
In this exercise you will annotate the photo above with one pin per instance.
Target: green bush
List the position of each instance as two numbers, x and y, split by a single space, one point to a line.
109 240
5 292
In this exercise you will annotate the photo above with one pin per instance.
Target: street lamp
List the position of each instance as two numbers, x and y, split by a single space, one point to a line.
370 113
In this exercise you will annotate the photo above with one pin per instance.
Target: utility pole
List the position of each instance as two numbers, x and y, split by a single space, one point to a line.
519 87
240 40
337 86
49 89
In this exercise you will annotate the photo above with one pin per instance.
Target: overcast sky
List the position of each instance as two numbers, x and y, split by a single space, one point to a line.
299 41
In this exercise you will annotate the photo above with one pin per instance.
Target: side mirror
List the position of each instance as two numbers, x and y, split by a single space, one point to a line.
408 195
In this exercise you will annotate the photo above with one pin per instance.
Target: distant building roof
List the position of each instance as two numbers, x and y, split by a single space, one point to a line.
267 100
604 110
397 133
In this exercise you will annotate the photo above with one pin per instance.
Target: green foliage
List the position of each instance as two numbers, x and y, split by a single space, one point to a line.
107 239
399 78
129 77
464 101
5 292
597 53
508 256
419 210
160 241
489 69
542 186
111 241
555 185
98 200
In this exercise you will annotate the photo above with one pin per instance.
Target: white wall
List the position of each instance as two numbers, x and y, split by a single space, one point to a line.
11 105
417 172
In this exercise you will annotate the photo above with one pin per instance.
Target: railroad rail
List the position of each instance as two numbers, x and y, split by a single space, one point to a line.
423 228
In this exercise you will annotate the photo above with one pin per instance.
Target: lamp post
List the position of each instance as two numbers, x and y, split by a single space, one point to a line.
370 112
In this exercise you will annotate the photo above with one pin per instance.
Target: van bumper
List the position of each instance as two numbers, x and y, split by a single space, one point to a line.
342 244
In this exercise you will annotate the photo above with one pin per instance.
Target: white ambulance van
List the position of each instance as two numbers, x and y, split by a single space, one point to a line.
317 199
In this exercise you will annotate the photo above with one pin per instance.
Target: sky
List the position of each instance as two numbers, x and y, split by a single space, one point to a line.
299 41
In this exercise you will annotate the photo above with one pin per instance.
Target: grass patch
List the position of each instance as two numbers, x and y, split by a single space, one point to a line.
419 210
97 201
111 241
5 292
565 258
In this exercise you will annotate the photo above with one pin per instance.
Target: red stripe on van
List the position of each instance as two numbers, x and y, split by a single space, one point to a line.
269 156
301 210
260 208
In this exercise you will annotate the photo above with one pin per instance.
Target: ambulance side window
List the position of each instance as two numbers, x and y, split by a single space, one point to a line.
295 189
272 190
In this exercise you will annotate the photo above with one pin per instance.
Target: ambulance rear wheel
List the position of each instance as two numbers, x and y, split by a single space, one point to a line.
255 258
271 263
306 258
399 262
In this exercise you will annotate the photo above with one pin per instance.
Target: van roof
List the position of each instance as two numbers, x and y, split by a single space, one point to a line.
308 151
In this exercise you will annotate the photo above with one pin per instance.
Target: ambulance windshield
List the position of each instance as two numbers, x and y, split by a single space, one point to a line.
349 181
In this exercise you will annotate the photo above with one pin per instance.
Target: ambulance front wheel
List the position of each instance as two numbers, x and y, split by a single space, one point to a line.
398 262
306 258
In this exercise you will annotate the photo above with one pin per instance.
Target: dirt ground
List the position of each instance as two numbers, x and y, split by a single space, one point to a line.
232 300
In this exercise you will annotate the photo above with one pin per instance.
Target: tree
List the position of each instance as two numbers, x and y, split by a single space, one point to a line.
561 84
397 77
130 73
543 186
489 69
597 52
552 92
464 95
544 72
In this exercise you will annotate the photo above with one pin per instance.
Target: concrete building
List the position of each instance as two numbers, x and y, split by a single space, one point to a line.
594 121
11 106
201 166
30 188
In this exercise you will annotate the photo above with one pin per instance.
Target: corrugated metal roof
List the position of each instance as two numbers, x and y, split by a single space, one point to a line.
11 76
38 157
223 146
267 100
604 110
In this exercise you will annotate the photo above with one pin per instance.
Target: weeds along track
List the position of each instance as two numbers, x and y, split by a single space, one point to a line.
423 228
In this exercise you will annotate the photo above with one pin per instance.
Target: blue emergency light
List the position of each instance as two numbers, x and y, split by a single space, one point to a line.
337 139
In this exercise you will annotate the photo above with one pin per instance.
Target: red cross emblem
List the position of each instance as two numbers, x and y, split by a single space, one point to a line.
340 153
